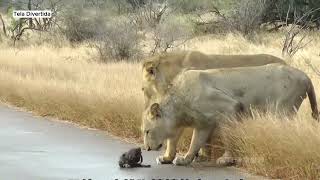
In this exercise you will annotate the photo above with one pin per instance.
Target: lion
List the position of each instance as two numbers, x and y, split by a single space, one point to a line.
160 70
201 99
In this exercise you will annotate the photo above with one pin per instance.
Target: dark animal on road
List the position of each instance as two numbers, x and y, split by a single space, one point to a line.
132 158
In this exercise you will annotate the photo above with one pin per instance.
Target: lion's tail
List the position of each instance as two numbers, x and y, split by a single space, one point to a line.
313 101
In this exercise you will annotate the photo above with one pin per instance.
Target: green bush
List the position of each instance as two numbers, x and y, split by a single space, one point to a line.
119 41
171 32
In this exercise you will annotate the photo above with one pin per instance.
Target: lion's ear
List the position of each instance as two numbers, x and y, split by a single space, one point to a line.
155 110
147 64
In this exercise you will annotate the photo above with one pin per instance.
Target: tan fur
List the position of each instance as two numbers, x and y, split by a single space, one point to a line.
202 98
160 70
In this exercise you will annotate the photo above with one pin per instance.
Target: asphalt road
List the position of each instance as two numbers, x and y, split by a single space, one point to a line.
34 148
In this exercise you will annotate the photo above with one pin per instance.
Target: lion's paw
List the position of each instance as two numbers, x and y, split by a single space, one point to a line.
163 160
181 161
202 158
226 161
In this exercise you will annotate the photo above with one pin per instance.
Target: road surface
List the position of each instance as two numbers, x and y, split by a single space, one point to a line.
34 148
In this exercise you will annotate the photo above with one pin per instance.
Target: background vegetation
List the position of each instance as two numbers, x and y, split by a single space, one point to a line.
83 65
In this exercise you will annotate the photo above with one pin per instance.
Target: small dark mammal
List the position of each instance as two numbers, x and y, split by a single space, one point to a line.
132 158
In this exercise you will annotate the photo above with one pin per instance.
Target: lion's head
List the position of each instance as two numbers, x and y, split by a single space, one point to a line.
156 127
149 88
158 72
154 82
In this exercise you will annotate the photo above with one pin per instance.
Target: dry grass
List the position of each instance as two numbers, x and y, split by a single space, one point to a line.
67 84
276 146
61 83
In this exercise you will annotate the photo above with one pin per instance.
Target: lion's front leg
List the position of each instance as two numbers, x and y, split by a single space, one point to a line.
171 149
199 138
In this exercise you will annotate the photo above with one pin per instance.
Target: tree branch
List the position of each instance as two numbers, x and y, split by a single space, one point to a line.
3 26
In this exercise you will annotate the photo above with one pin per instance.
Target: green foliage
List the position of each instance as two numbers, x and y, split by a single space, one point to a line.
136 3
246 16
171 32
119 41
13 22
10 11
78 28
189 6
110 6
278 9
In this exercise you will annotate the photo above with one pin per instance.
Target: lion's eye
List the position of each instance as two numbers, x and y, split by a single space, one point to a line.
147 132
142 89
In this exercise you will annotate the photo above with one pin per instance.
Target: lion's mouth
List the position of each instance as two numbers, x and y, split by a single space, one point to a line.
156 149
159 147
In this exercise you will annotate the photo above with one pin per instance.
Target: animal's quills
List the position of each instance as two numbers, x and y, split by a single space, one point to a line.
132 158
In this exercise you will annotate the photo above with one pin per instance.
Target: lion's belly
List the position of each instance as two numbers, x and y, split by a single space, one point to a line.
274 89
275 94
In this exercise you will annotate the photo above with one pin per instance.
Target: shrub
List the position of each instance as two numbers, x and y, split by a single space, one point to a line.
170 33
247 15
149 14
119 41
188 6
78 28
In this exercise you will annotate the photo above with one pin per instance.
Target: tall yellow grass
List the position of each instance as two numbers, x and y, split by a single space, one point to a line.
276 146
68 84
62 83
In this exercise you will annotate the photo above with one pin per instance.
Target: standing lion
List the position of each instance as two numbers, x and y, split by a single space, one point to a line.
201 99
160 70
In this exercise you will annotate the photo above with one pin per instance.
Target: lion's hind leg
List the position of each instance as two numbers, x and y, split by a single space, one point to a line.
205 152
